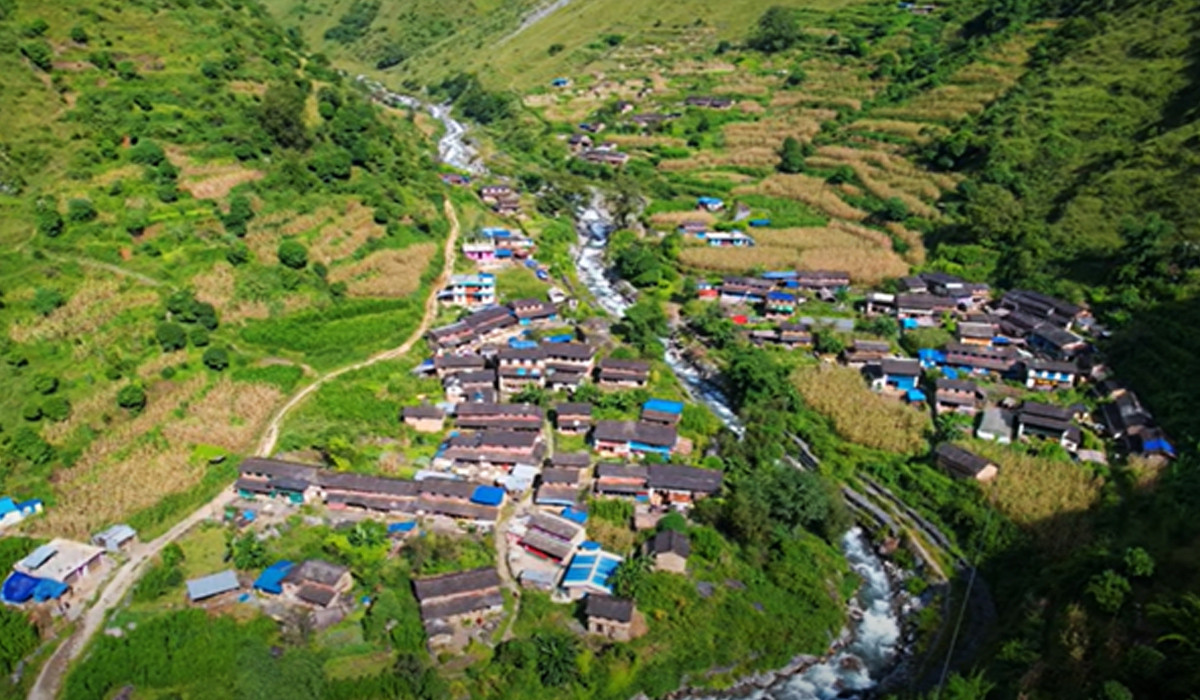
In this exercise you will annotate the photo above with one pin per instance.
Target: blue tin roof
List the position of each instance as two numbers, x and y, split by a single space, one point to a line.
759 222
781 296
575 516
709 200
488 495
271 579
915 395
394 528
663 406
208 586
776 275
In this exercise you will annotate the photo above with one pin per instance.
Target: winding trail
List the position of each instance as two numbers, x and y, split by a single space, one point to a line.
50 679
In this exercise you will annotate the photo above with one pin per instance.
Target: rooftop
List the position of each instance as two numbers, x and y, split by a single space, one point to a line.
458 583
609 608
215 584
58 559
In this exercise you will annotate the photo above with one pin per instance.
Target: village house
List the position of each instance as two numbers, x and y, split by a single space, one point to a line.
471 387
614 373
708 102
450 364
651 119
500 416
482 253
899 374
710 204
13 512
552 537
780 303
1042 307
605 157
1058 343
996 425
1123 415
670 550
451 336
728 239
609 617
573 418
493 448
579 142
529 311
1050 374
520 369
679 486
589 571
492 323
570 460
423 418
116 539
376 494
460 500
490 194
975 333
317 583
470 291
567 364
962 463
925 309
944 284
621 480
276 479
64 562
1000 360
744 290
862 352
662 412
956 396
449 600
692 228
822 279
795 335
616 438
213 585
1049 422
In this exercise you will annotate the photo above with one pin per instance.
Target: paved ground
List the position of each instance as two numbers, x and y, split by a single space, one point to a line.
50 679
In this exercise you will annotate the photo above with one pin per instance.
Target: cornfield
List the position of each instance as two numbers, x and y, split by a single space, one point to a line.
386 273
810 190
92 307
860 415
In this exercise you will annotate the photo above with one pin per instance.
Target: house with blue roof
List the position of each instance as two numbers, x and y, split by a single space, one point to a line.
271 579
780 303
662 411
900 374
713 204
590 570
13 512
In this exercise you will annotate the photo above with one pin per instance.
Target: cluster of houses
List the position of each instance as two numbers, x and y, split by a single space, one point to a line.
491 325
604 153
496 247
503 200
773 294
63 571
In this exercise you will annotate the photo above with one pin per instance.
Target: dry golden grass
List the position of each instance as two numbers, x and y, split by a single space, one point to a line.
247 310
747 157
386 273
229 416
671 219
1046 497
769 133
247 87
910 130
836 235
95 304
216 285
344 236
750 107
638 141
218 185
87 411
915 254
860 415
810 190
866 264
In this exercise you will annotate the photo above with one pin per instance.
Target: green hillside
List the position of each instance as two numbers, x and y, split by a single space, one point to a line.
194 217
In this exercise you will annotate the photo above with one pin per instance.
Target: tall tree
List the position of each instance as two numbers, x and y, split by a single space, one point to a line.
282 116
791 156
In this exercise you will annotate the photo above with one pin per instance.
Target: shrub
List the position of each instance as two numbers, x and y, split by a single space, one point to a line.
79 35
30 446
127 70
216 359
237 254
32 412
170 336
36 28
198 337
81 211
777 30
45 300
101 59
45 384
555 49
147 153
293 254
49 221
39 54
56 408
132 397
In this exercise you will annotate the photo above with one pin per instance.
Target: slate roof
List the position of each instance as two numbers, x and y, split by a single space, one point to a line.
677 477
901 367
561 528
317 595
423 411
671 541
569 351
614 365
956 385
560 475
571 459
347 481
632 431
573 409
450 607
609 608
621 471
473 580
316 571
960 460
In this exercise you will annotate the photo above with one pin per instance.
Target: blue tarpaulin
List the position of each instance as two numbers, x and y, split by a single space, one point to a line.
561 338
522 344
909 324
915 396
757 223
488 495
400 528
576 516
776 275
271 579
663 406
